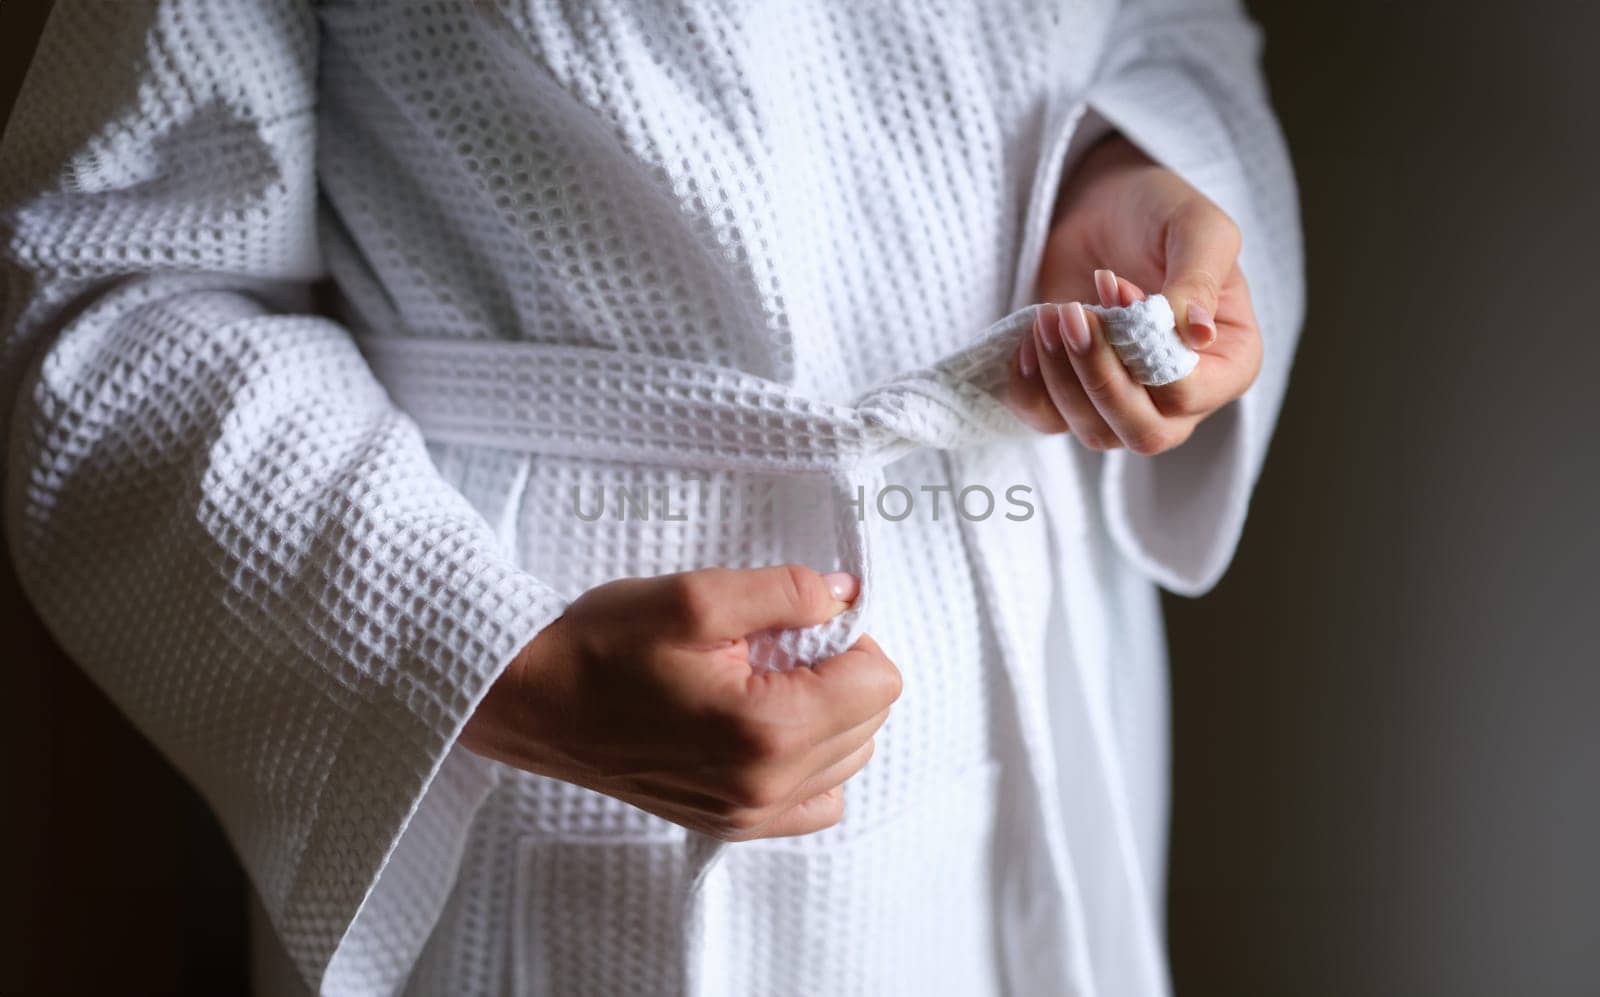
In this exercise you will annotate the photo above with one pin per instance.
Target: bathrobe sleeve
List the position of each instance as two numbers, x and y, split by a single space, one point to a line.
1180 79
208 497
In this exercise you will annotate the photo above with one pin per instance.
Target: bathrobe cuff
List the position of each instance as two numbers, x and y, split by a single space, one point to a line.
418 793
210 499
224 521
1185 90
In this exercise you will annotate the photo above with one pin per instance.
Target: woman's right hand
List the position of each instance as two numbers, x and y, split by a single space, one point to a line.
643 691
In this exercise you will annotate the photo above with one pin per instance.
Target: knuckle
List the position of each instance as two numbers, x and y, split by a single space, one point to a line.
1152 441
1222 226
754 792
1098 384
1175 400
1042 422
1232 234
1252 363
893 682
803 587
689 598
890 682
765 742
1038 412
1204 284
1205 214
1097 440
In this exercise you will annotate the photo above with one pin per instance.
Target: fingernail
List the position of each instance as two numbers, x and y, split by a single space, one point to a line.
1075 326
1049 325
1105 285
1202 327
842 585
1027 359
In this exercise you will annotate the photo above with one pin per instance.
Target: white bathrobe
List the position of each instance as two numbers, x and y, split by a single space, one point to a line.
617 289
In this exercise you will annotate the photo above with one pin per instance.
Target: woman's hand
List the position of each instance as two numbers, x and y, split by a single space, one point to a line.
1123 213
643 691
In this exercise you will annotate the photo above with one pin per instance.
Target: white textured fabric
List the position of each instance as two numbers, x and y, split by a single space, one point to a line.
561 400
769 214
1145 336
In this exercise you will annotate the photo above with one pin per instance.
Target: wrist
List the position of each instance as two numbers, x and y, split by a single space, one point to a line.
510 716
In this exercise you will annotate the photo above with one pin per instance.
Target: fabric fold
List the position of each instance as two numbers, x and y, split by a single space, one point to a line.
209 499
1183 85
300 593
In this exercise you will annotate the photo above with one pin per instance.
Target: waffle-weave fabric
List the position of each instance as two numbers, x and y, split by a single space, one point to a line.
299 589
1145 336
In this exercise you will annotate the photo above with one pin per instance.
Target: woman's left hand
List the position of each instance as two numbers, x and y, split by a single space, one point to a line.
1126 223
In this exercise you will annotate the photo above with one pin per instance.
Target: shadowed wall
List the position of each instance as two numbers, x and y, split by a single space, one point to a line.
1388 715
1387 758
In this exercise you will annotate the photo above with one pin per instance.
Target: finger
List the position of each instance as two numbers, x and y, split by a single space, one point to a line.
1115 291
1227 368
1201 248
1061 383
850 688
786 714
774 719
718 604
841 746
764 784
816 814
1124 404
705 814
1026 394
837 774
796 812
1105 285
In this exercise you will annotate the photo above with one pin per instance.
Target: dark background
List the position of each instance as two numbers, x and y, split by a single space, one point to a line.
1387 751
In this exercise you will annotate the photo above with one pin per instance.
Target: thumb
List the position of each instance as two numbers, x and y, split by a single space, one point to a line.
1202 249
724 603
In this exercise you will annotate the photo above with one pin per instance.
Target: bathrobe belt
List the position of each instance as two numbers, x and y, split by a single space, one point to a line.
598 404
